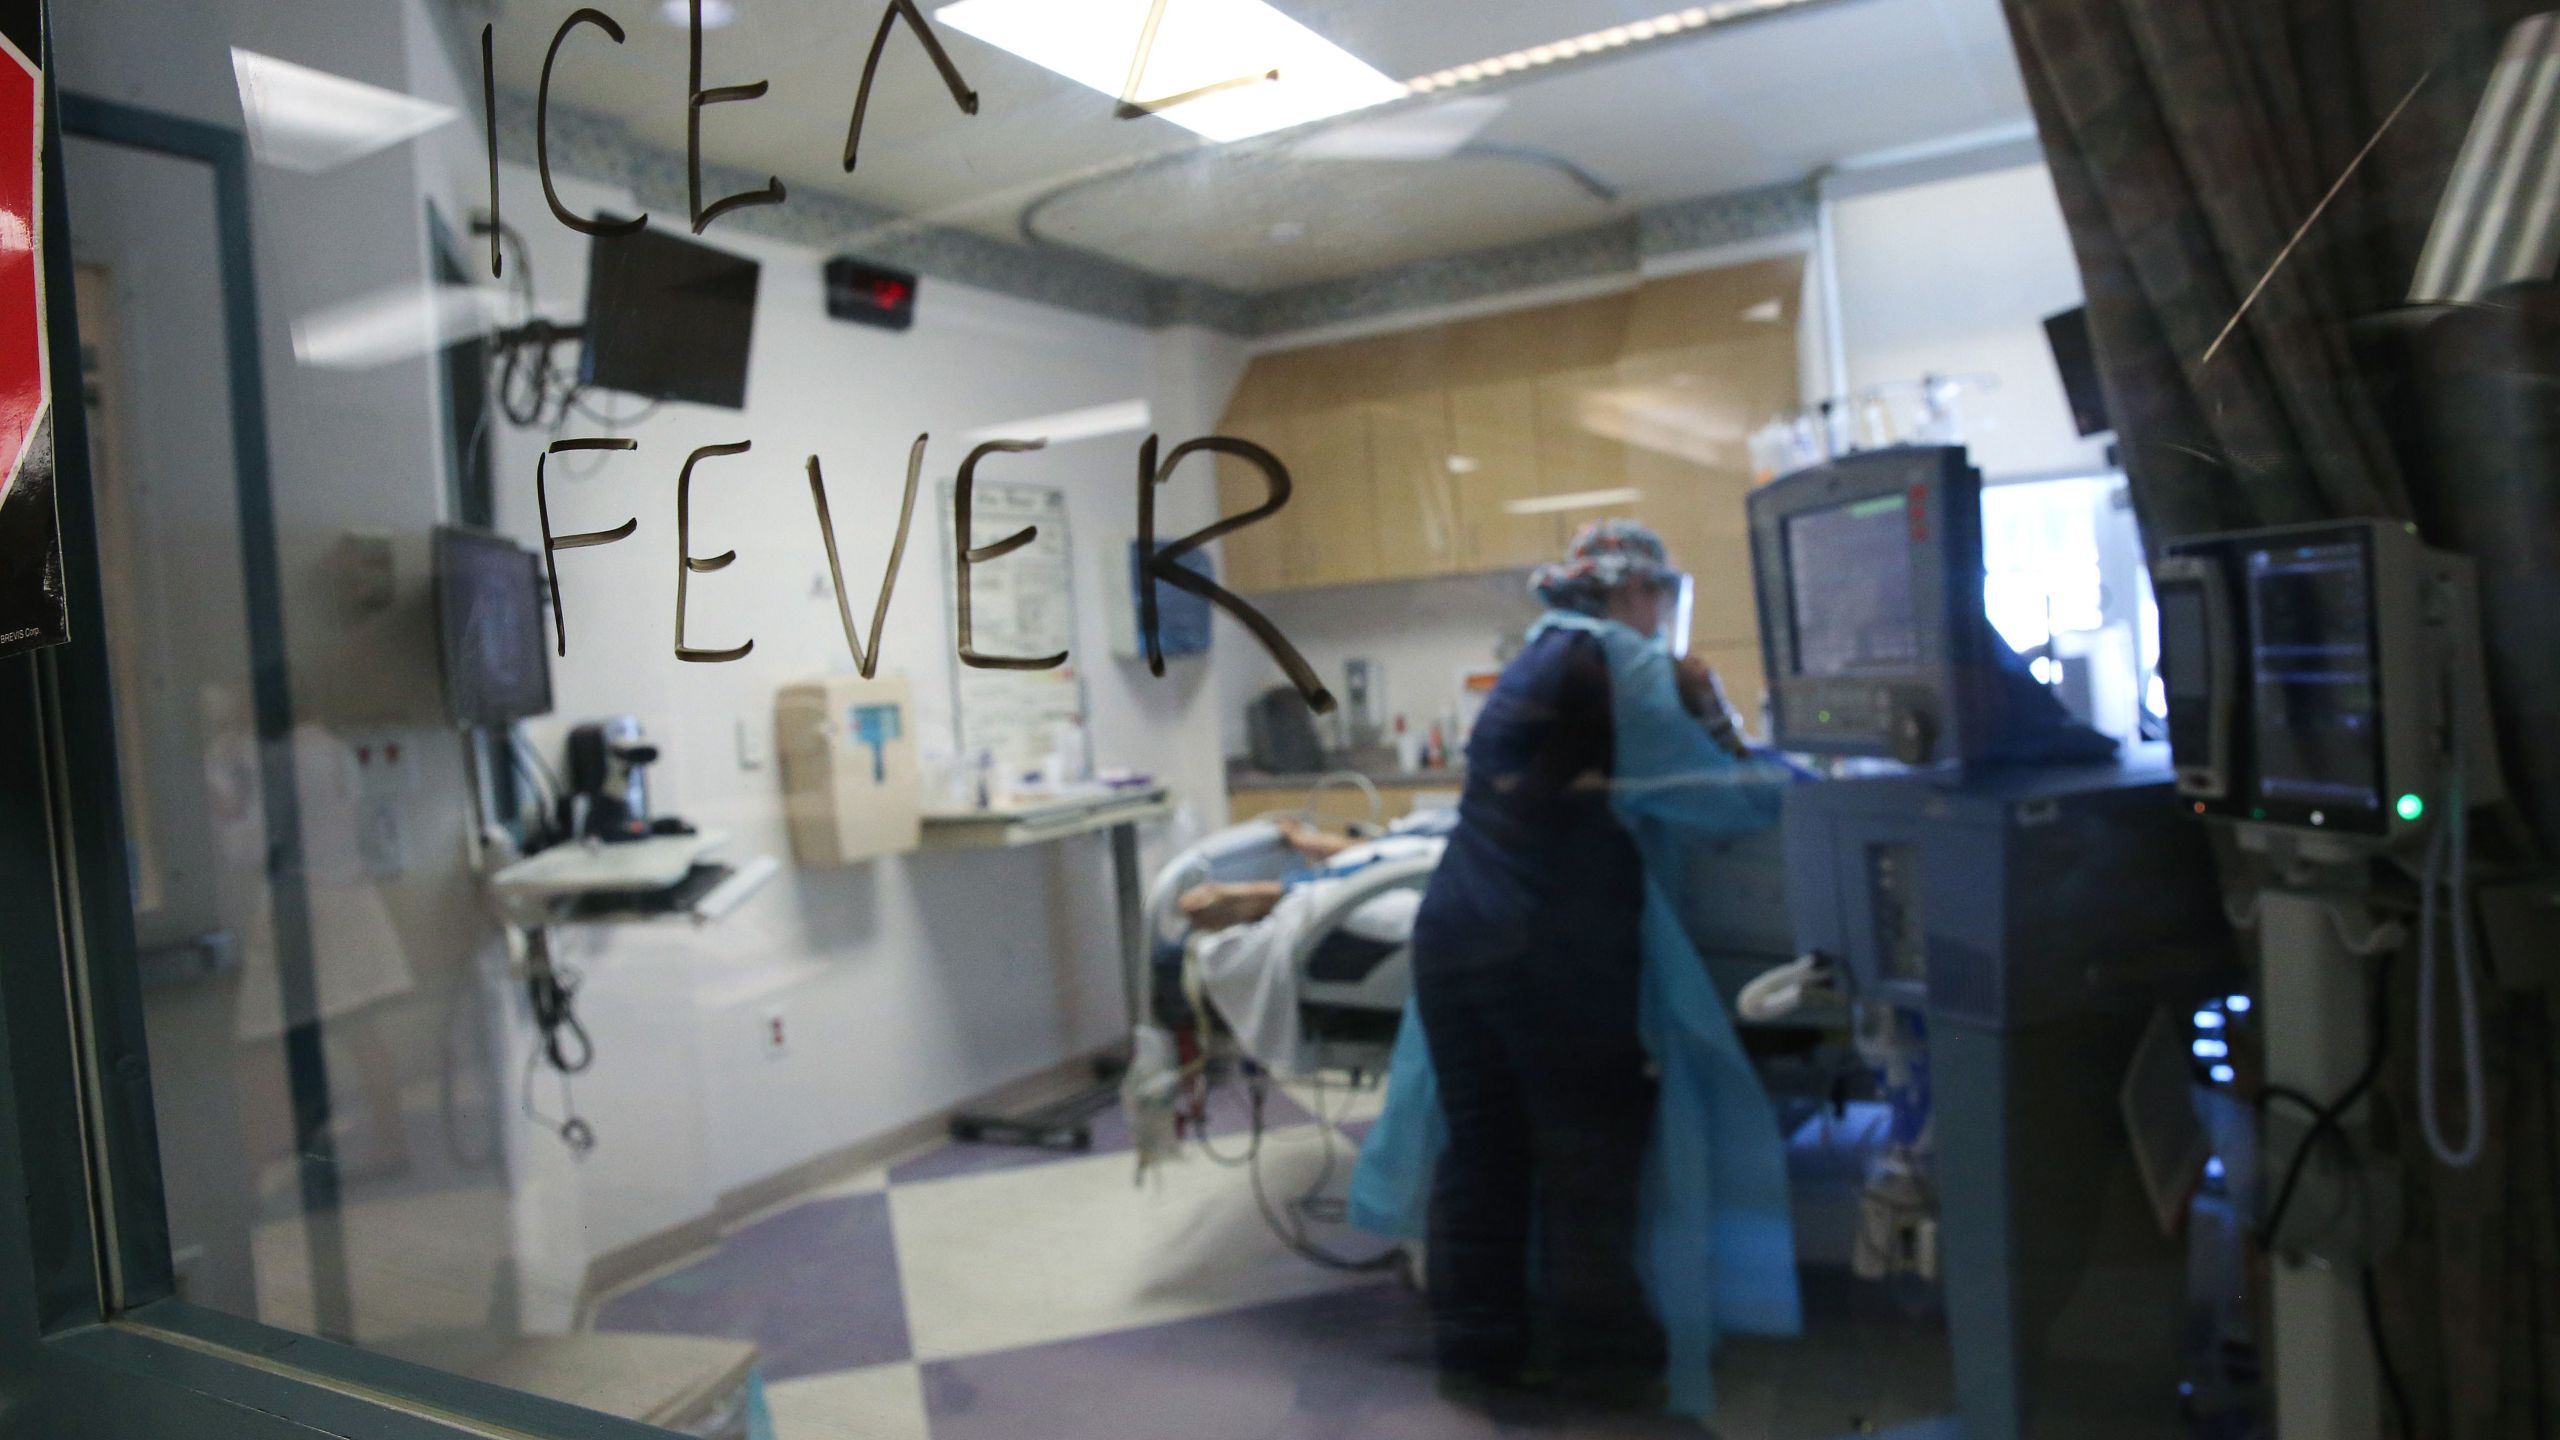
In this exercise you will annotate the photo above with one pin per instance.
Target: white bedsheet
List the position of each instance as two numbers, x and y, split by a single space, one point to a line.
1244 970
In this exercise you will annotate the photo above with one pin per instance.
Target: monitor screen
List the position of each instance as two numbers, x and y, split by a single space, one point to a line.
669 319
1849 576
2318 729
2073 356
497 665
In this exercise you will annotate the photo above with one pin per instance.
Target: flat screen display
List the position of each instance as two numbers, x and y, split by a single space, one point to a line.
497 663
2318 728
2073 356
1849 577
669 319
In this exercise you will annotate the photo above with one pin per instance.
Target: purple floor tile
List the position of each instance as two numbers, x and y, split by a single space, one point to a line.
1350 1365
1229 1115
816 1287
1357 1131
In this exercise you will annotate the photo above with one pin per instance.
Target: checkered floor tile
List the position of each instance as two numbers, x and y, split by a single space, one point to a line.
975 1293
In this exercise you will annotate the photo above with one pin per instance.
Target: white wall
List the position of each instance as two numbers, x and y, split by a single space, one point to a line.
907 984
1955 276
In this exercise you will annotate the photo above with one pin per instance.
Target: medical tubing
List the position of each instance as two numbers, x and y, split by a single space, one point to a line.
1395 1258
2453 835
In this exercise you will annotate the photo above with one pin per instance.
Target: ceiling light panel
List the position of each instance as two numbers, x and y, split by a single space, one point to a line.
1199 44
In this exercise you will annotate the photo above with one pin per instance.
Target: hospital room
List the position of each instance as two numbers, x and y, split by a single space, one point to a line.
1280 720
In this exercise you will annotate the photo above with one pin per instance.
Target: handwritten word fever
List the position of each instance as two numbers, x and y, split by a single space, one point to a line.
1159 565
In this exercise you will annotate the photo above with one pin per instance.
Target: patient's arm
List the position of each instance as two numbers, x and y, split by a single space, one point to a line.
1223 904
1312 843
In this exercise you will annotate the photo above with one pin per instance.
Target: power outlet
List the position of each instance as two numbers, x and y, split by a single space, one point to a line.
776 1032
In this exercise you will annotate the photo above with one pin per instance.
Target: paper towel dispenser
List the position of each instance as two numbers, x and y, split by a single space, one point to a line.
849 780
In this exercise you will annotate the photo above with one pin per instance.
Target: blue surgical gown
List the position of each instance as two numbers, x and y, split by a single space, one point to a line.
1715 1246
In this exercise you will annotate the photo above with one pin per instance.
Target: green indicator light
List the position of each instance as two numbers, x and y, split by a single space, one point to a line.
2258 812
1822 715
2411 807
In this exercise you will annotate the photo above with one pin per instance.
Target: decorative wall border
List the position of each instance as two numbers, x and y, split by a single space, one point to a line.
604 150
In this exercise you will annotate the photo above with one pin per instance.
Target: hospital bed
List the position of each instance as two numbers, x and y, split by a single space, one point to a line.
1351 989
1352 986
1351 983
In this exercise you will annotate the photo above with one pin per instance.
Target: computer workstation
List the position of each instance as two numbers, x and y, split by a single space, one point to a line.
2008 898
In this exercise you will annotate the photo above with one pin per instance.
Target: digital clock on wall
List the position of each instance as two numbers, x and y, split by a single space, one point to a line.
869 294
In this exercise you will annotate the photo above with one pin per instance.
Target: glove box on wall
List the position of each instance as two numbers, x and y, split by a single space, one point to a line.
849 785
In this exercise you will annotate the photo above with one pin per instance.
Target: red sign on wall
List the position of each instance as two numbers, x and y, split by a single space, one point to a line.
32 610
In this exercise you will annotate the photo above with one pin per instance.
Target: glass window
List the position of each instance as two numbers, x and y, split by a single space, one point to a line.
720 829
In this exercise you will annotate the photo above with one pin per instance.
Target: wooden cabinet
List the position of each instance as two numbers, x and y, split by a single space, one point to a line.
1493 464
1338 806
1582 456
1256 557
1417 512
1483 444
1330 531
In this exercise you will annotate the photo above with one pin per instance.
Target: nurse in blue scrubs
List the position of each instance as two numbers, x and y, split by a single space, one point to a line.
1604 1185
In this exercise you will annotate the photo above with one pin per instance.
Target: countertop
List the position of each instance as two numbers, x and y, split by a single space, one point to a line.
1243 779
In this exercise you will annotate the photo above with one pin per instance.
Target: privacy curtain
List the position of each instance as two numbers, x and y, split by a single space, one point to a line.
2189 139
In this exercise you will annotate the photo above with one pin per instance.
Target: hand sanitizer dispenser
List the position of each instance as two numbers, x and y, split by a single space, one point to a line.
849 783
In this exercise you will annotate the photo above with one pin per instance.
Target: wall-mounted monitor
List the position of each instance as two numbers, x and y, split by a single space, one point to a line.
2077 360
489 620
669 319
2324 676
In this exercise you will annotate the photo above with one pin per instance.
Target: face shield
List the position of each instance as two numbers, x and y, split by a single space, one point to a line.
1679 606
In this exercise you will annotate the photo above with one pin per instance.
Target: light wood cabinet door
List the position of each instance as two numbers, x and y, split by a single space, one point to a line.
1255 558
1409 470
1330 530
1582 453
1492 464
1690 410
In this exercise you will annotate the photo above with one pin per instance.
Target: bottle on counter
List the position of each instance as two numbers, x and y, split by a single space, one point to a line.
1435 756
1408 747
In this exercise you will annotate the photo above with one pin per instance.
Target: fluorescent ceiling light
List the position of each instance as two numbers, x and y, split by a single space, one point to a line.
310 120
1431 132
1574 47
715 13
1579 500
1093 422
1200 45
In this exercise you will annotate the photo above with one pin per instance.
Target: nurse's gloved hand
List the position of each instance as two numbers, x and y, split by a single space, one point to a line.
1702 694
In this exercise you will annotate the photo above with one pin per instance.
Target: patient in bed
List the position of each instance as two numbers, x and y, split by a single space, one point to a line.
1245 932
